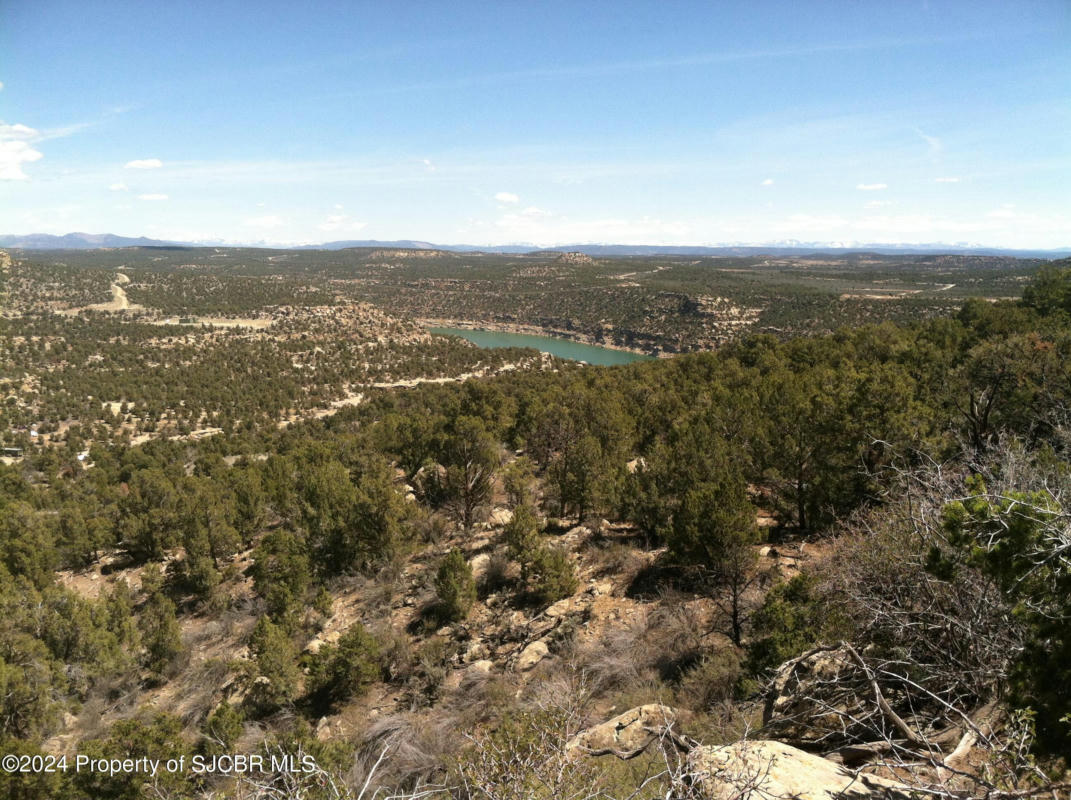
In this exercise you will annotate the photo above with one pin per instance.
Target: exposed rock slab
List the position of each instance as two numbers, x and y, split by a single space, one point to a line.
532 655
626 735
766 770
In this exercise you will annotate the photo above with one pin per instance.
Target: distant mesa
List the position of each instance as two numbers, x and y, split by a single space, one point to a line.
575 257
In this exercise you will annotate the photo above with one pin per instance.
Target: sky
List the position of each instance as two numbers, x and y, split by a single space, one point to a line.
541 123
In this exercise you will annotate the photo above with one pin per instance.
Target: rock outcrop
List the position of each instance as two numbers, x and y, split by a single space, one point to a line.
626 735
766 770
532 655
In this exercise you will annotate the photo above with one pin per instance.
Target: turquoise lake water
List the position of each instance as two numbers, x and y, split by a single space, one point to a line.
562 348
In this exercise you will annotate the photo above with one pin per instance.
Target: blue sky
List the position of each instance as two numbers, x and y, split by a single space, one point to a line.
544 123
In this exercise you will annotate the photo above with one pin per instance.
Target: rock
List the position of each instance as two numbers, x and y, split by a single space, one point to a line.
626 734
558 609
601 588
532 655
314 645
766 770
575 258
501 516
478 565
479 668
475 652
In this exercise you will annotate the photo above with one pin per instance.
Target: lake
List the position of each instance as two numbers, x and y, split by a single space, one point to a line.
562 348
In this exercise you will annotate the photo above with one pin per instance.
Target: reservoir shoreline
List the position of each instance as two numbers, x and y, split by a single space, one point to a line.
568 348
537 331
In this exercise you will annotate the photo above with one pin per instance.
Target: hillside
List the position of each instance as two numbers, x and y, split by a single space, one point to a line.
251 507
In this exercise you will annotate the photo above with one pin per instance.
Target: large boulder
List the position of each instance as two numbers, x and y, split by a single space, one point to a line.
766 770
626 735
532 655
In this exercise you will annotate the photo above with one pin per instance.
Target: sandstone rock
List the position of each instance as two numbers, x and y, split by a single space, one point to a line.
626 734
476 651
501 516
598 588
558 609
766 770
478 565
479 668
532 655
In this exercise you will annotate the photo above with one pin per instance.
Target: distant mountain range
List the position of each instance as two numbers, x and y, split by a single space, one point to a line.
95 241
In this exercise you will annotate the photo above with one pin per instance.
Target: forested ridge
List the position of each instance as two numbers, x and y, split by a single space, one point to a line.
673 531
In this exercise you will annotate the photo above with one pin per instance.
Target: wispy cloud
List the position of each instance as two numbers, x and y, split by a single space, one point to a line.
871 187
119 187
614 68
768 182
16 149
933 144
152 196
507 197
266 221
341 222
144 163
946 180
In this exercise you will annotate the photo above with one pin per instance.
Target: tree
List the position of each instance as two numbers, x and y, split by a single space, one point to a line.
150 515
455 586
276 681
160 634
521 535
26 544
351 526
517 480
281 572
1019 537
714 530
1051 290
470 458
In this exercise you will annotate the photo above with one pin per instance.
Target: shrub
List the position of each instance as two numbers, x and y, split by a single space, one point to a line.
713 680
222 729
339 672
553 575
455 586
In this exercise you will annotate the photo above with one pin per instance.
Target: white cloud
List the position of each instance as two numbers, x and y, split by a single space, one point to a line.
119 187
144 163
265 221
428 165
768 182
934 144
946 180
152 196
341 222
871 187
16 149
877 204
507 197
1 86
